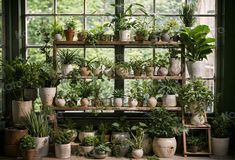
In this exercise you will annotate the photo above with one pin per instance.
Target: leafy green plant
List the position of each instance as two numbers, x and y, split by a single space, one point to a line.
163 124
67 56
162 59
187 14
70 24
89 141
137 64
194 140
68 124
102 148
56 28
82 62
120 126
48 77
118 93
141 31
197 42
62 137
168 87
27 142
37 124
171 27
103 129
174 53
87 128
221 126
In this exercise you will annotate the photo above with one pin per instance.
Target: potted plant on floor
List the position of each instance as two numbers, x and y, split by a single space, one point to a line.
88 144
67 58
175 62
57 31
69 31
168 89
48 80
198 46
118 97
195 97
27 147
187 14
141 31
221 129
86 130
164 126
37 125
194 143
101 151
137 140
62 140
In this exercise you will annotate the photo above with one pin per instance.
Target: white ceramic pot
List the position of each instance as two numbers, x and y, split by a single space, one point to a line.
63 150
58 37
162 71
147 144
125 35
60 102
175 67
169 100
87 149
107 102
42 146
164 147
152 102
196 69
66 69
198 119
47 95
84 102
137 153
82 135
30 94
220 146
132 102
118 102
20 109
149 71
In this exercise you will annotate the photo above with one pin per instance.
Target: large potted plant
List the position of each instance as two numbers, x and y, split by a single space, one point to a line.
168 89
88 144
220 127
67 58
70 29
62 139
48 82
164 126
196 97
27 146
37 125
198 46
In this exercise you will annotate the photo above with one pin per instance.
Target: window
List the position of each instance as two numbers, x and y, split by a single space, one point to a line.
1 57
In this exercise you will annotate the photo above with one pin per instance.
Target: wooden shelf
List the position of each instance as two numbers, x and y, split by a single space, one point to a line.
204 126
197 153
143 109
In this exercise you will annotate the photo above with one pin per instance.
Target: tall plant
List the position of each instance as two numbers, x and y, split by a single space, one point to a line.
187 14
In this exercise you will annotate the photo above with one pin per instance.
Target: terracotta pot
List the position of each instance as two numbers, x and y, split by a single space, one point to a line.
82 135
84 102
118 102
47 95
30 94
125 35
29 154
42 146
58 37
152 102
196 69
69 34
137 153
108 72
63 150
164 147
220 146
149 71
60 102
175 67
20 109
162 71
132 102
66 69
169 100
85 71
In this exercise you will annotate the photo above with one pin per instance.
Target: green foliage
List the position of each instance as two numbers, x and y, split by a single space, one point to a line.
136 63
37 124
151 89
187 14
197 43
103 129
82 62
221 126
120 126
102 148
48 77
141 29
67 56
68 124
27 142
70 24
62 136
152 158
56 28
118 93
83 88
89 141
163 124
139 89
168 87
162 59
194 140
87 128
174 53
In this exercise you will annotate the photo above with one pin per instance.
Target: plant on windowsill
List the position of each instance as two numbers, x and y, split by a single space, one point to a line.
118 97
137 65
85 66
57 32
175 62
141 31
69 31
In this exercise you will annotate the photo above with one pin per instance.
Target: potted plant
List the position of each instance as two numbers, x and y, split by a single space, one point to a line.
194 143
120 131
175 62
141 31
70 126
27 146
132 101
118 97
139 92
57 31
168 89
109 67
88 144
164 36
122 69
220 127
162 62
85 91
62 140
137 140
198 46
154 34
101 151
195 97
149 66
37 125
187 14
84 66
173 30
96 66
164 126
86 130
152 91
48 80
96 93
82 35
69 31
104 132
67 58
137 66
59 100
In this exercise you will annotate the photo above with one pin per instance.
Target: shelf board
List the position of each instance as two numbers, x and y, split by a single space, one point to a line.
128 43
197 153
144 109
204 126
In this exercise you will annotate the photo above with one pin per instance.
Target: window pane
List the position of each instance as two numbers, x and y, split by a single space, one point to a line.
210 21
34 55
100 53
39 6
78 19
93 21
143 53
148 5
168 6
70 6
162 20
204 6
100 6
0 29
